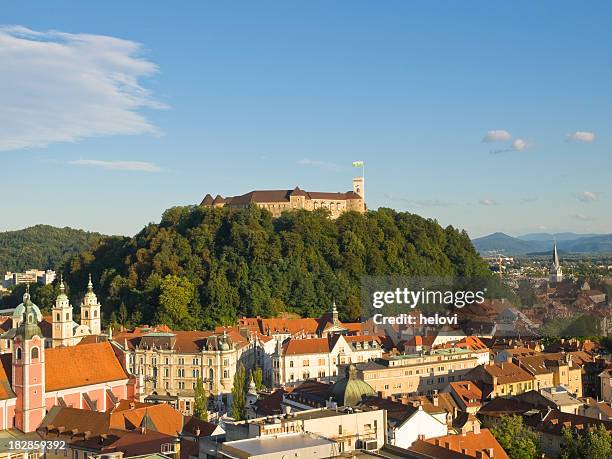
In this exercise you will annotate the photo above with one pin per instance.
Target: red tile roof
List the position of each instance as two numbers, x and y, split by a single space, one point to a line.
468 392
482 444
75 366
306 346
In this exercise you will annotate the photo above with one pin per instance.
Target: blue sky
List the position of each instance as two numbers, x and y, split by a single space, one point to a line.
111 112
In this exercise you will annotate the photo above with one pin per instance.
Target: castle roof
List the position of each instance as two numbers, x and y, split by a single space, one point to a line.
278 196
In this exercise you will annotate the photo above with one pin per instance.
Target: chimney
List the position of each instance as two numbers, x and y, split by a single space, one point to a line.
476 427
435 400
490 452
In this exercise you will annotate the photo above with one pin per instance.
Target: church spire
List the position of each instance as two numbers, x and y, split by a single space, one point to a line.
90 285
556 262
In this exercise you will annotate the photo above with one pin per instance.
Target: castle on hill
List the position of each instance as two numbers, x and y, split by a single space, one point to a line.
278 201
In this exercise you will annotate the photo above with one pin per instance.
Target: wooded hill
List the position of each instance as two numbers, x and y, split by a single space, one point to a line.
201 267
41 247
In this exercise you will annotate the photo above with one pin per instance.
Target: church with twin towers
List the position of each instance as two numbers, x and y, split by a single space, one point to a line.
65 331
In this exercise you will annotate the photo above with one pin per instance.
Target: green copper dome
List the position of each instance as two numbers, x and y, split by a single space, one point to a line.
350 390
29 325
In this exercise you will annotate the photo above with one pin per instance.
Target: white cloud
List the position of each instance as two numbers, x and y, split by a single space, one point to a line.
139 166
587 196
487 202
519 145
64 87
321 164
581 136
497 135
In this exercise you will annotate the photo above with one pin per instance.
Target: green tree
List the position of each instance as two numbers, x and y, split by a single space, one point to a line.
200 409
238 408
517 439
176 295
587 443
257 375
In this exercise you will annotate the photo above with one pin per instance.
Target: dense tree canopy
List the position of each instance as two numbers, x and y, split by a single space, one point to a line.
200 267
41 247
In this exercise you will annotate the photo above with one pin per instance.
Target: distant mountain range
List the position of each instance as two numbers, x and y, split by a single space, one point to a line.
537 243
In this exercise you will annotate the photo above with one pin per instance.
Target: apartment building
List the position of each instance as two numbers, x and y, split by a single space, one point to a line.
417 374
170 363
500 379
553 370
297 360
351 429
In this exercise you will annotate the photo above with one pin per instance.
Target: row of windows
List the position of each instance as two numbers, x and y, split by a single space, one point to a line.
181 361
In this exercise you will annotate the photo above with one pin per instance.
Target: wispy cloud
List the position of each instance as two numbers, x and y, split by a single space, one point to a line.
487 202
581 136
581 217
64 87
321 164
139 166
517 145
587 196
529 200
419 202
497 135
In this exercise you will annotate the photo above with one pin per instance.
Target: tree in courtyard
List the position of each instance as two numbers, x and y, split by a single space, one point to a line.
257 375
238 394
200 409
517 439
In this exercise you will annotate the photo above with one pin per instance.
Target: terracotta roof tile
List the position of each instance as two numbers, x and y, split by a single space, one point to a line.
471 443
306 346
75 366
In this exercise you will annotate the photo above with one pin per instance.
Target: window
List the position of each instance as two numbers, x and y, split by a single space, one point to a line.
18 353
95 313
166 373
34 353
57 317
306 363
86 314
225 374
290 363
67 316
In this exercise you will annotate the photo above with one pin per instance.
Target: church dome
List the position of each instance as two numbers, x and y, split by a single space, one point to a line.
19 310
350 390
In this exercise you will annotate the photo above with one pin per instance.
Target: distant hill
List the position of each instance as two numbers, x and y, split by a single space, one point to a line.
541 243
500 242
553 237
41 247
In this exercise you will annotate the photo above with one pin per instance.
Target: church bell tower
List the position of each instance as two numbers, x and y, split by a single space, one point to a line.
28 369
90 310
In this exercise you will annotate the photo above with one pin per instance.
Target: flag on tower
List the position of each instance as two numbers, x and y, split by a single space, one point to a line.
357 163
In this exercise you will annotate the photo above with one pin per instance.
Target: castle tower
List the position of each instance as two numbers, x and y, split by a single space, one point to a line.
61 318
555 272
90 310
28 368
358 186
